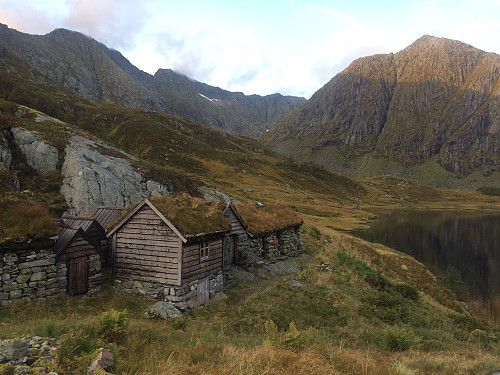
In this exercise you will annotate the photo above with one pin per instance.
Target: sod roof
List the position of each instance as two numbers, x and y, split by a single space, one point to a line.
25 219
267 217
192 216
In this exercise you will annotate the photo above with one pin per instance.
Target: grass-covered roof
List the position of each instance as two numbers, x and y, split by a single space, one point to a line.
23 219
192 216
267 217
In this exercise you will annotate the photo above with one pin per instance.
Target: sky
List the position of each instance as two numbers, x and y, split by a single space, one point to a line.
259 47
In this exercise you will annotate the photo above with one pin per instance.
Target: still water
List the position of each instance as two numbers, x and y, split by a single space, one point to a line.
468 241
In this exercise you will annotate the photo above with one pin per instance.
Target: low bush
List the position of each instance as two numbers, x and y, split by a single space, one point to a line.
398 339
293 338
112 325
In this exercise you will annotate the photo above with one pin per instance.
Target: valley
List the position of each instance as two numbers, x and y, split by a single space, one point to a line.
355 307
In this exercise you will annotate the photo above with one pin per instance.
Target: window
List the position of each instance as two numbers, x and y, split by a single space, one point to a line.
204 250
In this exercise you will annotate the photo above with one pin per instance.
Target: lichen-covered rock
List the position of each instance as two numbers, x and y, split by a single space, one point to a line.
39 155
5 154
13 350
92 179
163 310
104 360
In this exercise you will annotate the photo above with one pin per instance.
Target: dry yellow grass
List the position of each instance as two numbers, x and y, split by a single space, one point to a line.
269 216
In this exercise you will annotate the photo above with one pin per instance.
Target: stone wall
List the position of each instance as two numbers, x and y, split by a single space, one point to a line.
290 242
269 246
184 297
29 272
95 276
248 250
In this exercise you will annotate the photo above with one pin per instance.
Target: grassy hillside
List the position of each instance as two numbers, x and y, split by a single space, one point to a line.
360 309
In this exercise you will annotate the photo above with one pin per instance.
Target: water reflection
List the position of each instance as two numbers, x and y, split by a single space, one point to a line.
469 241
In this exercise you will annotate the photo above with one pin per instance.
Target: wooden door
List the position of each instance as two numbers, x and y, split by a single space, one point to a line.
77 273
233 249
203 291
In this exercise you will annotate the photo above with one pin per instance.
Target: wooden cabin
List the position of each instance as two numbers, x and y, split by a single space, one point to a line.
81 255
93 229
171 248
106 216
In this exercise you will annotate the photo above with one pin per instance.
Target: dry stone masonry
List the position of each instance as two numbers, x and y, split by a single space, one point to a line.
278 245
183 297
30 272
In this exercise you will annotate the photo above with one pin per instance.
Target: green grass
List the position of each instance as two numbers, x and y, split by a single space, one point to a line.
339 321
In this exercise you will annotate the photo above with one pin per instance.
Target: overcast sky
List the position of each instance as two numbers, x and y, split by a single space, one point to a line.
259 46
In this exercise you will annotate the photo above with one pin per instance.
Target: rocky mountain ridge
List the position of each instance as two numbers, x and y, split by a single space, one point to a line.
436 102
97 73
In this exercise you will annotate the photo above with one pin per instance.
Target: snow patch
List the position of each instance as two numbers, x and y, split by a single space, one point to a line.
206 97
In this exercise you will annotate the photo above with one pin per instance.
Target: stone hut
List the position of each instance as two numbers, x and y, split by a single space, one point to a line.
269 231
79 256
171 248
29 271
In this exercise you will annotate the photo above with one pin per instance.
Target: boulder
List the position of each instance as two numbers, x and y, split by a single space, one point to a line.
294 283
13 350
103 360
39 155
163 310
5 154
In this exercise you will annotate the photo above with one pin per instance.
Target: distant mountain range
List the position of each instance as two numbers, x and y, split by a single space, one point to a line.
430 112
97 73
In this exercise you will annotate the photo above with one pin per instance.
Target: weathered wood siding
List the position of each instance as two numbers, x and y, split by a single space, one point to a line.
79 247
236 226
146 249
194 268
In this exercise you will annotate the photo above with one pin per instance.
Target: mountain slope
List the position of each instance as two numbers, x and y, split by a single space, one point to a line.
98 73
54 142
436 101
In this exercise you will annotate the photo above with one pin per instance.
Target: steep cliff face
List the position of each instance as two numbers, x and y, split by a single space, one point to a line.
436 99
98 73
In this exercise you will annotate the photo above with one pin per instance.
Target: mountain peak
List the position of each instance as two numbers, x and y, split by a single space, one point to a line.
434 101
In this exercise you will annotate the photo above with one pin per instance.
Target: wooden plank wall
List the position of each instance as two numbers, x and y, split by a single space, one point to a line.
78 248
193 268
96 233
236 227
147 250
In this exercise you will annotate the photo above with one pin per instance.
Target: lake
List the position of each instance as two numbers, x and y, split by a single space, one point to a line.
458 244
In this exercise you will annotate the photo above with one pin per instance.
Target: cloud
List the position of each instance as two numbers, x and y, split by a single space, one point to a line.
25 17
288 46
113 22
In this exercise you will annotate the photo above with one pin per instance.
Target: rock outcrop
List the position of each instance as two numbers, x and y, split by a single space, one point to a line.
39 155
163 310
437 99
5 153
93 179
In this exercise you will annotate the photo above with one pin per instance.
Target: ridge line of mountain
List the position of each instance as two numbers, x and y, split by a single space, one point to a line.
98 73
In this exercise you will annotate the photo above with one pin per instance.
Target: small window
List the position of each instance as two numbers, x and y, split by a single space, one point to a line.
204 248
